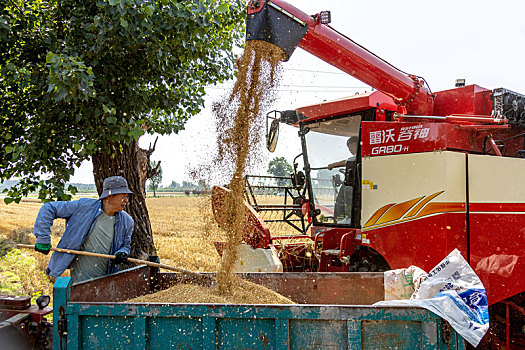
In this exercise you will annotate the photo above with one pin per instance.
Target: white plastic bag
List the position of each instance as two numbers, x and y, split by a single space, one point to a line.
401 283
453 291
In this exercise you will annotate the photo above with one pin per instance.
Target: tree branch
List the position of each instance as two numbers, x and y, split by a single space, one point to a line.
152 149
152 172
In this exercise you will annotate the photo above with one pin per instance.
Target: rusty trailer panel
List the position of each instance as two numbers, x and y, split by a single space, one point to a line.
360 288
120 286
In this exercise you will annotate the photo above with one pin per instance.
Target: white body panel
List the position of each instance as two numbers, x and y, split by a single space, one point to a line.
399 178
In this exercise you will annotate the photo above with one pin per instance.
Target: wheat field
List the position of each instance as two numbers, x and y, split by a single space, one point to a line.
183 231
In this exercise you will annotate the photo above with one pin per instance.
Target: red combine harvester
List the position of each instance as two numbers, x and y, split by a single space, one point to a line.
400 176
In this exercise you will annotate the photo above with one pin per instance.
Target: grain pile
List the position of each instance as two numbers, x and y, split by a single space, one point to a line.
242 292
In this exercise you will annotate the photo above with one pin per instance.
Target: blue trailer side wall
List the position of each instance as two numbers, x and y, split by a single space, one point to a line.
218 326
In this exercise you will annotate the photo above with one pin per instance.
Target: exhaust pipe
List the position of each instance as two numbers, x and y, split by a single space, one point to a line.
269 22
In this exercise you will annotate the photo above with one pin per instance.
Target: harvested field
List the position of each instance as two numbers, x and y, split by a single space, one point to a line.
182 231
183 234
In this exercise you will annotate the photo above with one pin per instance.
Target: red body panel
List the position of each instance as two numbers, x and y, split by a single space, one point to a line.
497 244
407 243
499 265
382 138
471 99
347 105
385 138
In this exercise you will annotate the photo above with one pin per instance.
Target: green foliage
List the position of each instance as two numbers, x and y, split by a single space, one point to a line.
279 166
20 274
77 76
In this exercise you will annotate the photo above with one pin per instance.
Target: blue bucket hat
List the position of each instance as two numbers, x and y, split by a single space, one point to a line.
114 185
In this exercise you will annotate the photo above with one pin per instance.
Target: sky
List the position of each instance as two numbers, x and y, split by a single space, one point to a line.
481 41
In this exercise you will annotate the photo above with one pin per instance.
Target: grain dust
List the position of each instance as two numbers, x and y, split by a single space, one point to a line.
239 124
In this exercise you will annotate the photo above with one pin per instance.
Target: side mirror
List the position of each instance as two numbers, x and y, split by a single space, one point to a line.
272 135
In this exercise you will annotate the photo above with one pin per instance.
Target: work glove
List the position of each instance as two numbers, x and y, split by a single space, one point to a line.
121 258
43 248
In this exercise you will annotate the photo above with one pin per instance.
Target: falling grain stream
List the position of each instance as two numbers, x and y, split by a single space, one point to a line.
238 120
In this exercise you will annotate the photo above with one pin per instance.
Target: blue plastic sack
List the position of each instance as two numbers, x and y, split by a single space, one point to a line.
453 291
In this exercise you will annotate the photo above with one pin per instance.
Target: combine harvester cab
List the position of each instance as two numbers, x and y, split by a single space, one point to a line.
430 171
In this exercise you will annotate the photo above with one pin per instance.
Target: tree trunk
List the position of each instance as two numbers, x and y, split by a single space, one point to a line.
132 163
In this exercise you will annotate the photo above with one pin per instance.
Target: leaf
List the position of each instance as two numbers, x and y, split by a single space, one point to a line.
8 200
222 8
10 66
123 22
49 56
77 147
149 10
114 2
111 120
136 133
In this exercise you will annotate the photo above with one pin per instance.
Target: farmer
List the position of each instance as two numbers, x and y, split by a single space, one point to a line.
93 225
344 198
351 143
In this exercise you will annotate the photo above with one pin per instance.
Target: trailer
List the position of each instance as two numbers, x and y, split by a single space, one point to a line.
95 315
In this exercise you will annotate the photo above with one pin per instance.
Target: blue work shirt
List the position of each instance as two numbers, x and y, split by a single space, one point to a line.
80 216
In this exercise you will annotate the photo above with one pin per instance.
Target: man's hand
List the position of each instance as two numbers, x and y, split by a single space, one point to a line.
121 258
43 248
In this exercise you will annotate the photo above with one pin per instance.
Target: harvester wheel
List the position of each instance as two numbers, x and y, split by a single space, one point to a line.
366 259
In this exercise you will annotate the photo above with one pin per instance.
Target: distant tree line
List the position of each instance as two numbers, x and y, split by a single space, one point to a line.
186 186
189 187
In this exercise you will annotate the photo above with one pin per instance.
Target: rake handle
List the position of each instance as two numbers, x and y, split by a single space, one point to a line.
132 260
